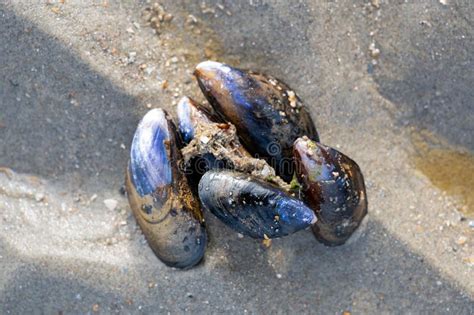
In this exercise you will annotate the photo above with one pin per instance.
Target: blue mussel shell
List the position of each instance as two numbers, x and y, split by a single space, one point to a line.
268 115
251 206
159 195
189 115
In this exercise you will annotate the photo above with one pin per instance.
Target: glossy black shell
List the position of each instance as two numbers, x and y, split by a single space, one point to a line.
333 186
268 115
159 195
251 206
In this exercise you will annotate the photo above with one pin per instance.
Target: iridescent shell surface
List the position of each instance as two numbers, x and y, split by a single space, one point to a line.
159 195
333 187
189 116
251 206
268 115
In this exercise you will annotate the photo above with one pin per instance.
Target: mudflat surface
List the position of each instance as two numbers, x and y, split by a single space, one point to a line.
388 84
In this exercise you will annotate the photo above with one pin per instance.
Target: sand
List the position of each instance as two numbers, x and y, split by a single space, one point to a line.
378 78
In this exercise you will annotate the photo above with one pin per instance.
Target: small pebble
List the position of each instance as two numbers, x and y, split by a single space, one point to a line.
267 242
95 308
374 52
167 17
149 70
469 260
93 198
240 235
279 276
39 197
132 57
122 190
191 19
292 98
471 224
111 204
461 240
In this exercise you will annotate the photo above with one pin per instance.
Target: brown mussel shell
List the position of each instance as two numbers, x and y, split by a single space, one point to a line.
333 186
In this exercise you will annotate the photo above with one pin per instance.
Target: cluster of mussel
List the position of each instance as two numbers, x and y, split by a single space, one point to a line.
253 159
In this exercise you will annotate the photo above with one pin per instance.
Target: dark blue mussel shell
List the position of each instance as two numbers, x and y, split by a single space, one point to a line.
166 210
333 187
251 206
268 115
189 116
